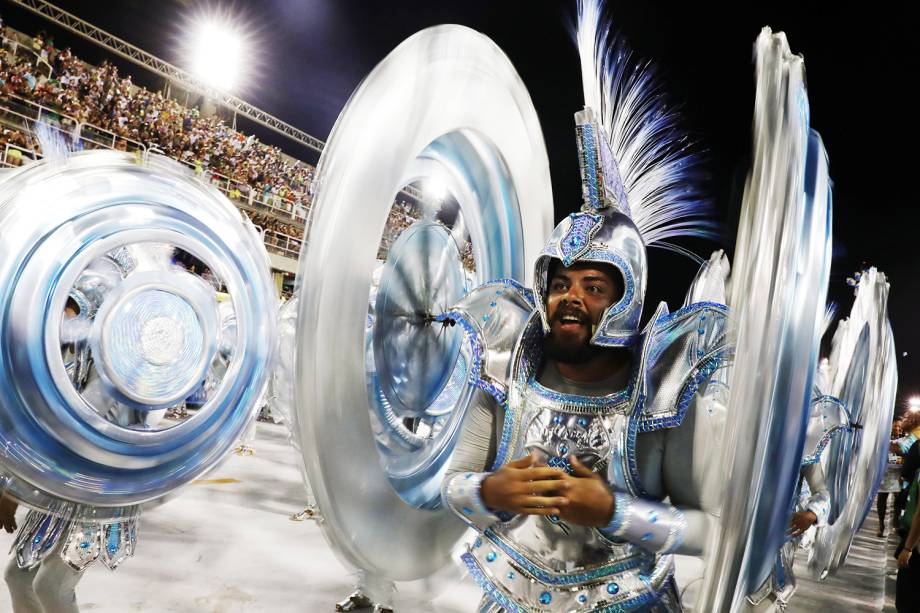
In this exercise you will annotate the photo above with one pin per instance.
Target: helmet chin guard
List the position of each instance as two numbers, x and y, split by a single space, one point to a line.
608 237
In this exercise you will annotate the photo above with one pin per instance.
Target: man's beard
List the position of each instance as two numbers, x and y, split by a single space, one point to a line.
569 351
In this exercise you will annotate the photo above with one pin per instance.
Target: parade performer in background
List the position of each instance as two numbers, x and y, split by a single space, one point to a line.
563 468
52 549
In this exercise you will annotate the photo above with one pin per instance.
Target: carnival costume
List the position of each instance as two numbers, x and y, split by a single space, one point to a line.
640 433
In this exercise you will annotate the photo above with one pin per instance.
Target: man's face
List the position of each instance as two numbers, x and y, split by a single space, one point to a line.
576 300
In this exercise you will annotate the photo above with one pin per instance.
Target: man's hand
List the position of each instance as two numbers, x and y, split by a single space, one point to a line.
904 557
590 500
8 508
522 487
801 522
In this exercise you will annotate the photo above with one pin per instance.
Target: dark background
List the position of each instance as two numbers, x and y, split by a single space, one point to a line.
309 55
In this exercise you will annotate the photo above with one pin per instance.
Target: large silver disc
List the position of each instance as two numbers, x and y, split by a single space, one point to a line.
872 416
381 387
109 315
778 290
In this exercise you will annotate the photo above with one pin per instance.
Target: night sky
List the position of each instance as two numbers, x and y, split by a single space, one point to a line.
311 54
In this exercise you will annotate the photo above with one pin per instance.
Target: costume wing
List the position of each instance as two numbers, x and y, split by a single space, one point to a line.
778 290
382 383
109 270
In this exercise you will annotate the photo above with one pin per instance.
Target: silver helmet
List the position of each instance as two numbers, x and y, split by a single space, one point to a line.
639 178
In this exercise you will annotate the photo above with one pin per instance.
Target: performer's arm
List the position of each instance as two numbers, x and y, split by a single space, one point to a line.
819 502
474 452
682 464
483 498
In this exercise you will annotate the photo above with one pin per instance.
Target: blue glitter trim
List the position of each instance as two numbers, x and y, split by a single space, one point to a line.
588 159
632 462
620 506
563 463
584 402
488 588
808 460
703 371
690 308
577 240
526 293
550 578
475 372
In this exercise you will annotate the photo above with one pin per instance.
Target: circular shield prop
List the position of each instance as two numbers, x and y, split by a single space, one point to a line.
778 290
381 385
109 316
837 461
871 417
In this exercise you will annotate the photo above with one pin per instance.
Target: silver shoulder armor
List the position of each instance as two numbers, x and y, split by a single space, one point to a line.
681 352
492 315
828 418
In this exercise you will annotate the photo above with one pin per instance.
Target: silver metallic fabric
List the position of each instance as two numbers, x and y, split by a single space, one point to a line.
82 395
537 563
445 106
866 379
778 288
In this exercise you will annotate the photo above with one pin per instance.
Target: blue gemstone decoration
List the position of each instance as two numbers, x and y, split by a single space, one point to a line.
557 419
577 240
84 545
552 578
583 422
588 163
653 516
112 548
467 510
490 557
612 588
701 331
646 537
546 598
37 540
563 449
553 518
478 542
511 575
485 318
582 599
560 462
493 304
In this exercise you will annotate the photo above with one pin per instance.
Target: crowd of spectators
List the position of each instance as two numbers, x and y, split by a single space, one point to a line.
99 96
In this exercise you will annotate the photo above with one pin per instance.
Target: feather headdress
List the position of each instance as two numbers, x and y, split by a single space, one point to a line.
654 169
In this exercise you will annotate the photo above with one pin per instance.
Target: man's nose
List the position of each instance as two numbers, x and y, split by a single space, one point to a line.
572 296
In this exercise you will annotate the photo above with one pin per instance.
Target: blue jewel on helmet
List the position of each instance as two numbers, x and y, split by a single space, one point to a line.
546 598
490 557
612 588
577 240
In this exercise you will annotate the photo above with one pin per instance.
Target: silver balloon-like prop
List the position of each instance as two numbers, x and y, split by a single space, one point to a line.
102 329
778 291
445 107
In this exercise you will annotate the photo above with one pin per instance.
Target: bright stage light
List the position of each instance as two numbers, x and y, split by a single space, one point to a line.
436 189
913 403
217 50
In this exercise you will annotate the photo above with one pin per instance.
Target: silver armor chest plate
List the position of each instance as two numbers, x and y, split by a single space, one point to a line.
538 563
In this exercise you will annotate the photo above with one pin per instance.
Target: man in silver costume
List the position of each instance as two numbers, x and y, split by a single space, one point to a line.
589 455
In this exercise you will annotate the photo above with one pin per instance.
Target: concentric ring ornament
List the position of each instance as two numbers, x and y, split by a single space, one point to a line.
445 106
778 290
100 231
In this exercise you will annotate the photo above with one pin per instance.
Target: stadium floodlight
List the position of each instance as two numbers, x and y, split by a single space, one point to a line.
436 189
217 49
